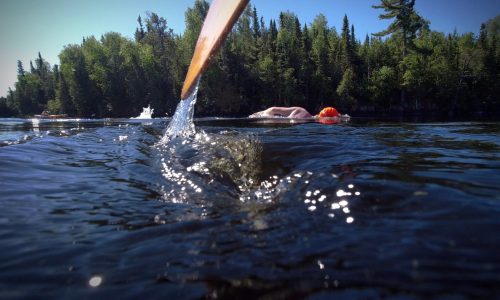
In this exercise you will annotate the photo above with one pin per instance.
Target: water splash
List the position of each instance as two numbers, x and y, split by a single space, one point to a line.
147 113
182 124
209 164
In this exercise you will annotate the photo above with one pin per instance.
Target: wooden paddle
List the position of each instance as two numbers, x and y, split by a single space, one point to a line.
221 17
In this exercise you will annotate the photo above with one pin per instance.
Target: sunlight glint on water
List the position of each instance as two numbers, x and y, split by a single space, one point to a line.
236 209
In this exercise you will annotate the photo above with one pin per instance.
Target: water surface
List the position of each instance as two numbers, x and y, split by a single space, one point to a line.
247 209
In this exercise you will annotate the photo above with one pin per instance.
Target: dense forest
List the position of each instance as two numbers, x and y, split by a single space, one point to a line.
406 69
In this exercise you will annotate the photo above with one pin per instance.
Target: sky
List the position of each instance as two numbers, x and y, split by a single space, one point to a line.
46 26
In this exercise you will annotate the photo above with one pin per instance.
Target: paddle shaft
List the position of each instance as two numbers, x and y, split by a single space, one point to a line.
221 17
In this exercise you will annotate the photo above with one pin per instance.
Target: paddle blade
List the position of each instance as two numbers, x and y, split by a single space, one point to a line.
221 17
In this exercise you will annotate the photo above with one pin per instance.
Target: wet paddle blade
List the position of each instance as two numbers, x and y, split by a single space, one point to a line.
220 19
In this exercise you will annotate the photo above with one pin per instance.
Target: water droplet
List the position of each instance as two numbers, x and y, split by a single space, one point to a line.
321 265
95 281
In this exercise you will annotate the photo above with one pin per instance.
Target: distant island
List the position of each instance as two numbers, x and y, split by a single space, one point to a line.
407 69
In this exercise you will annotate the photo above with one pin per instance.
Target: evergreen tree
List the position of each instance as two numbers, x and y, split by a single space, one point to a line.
194 20
306 70
11 102
347 46
255 23
164 80
260 66
32 68
82 89
139 31
346 90
63 98
5 110
353 38
406 24
319 54
20 69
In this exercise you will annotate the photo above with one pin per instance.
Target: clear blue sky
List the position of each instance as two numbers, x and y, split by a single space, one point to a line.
30 26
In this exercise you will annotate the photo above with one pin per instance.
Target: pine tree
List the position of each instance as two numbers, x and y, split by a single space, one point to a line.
406 20
42 66
33 70
353 38
346 46
139 32
406 24
20 69
320 48
255 23
261 66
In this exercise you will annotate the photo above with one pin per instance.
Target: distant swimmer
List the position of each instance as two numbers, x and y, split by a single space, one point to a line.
327 115
283 112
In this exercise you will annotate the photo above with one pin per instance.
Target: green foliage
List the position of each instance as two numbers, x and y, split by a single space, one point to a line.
346 90
5 109
281 63
382 86
406 21
406 24
82 90
194 20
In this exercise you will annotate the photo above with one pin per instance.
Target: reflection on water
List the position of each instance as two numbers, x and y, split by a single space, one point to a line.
238 209
36 124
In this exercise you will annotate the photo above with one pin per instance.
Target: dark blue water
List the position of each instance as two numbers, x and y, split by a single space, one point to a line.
247 210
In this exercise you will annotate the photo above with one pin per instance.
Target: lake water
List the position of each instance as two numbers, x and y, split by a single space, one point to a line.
247 209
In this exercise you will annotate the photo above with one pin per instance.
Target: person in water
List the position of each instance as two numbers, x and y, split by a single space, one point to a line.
284 112
296 113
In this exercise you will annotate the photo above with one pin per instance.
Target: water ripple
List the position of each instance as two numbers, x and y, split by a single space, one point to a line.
239 209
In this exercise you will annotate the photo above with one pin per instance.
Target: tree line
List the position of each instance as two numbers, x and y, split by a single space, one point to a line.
407 68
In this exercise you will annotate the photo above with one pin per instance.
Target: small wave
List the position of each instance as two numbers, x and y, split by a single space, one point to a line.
210 163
